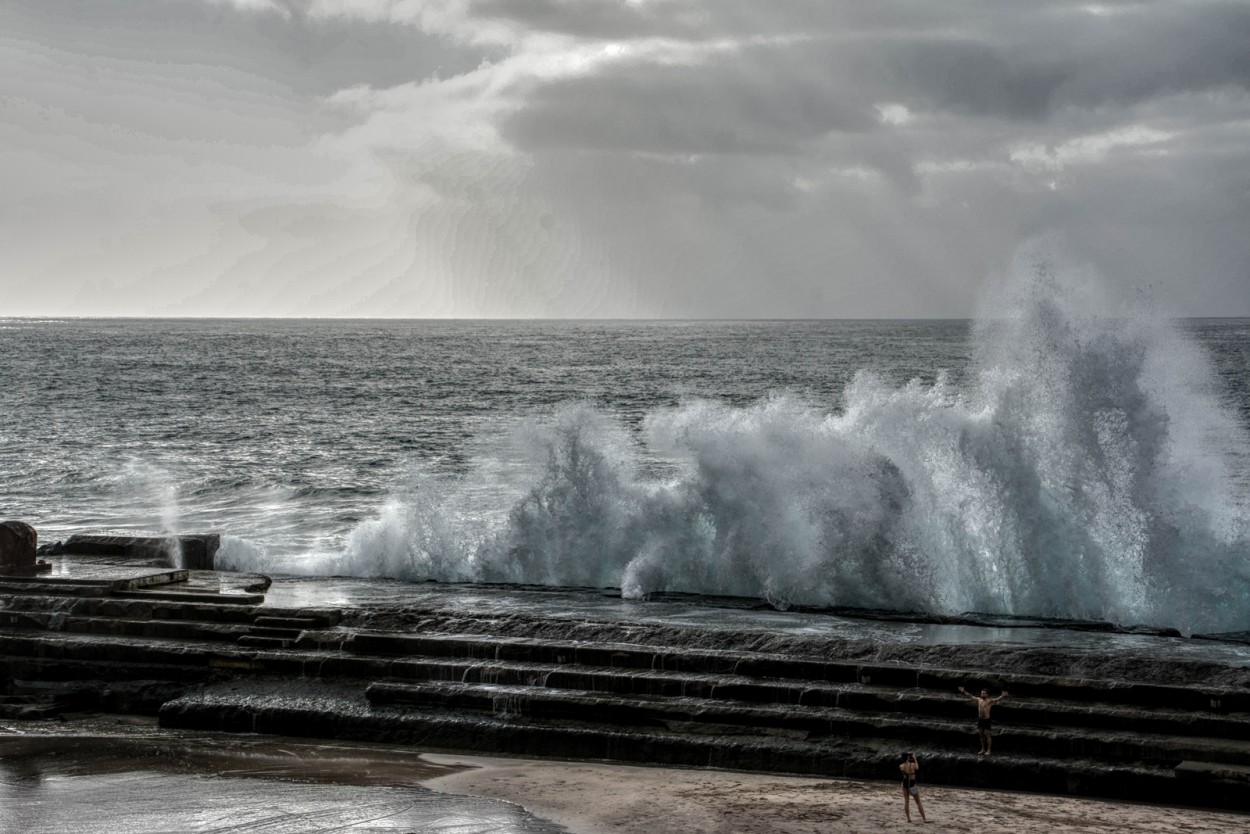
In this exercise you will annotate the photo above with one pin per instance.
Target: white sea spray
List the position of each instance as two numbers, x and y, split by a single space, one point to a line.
1081 470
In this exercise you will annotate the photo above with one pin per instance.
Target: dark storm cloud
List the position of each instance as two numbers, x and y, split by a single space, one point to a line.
1182 48
970 78
1053 56
725 104
1024 61
1020 119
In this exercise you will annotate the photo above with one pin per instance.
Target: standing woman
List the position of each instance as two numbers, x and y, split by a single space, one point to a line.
910 789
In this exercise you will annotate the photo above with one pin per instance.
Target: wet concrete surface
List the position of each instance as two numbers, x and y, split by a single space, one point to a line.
104 775
72 567
360 598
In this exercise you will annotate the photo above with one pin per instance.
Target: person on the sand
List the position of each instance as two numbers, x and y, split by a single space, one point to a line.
984 703
910 789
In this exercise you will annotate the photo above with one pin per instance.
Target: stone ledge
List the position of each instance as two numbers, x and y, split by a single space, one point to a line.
197 551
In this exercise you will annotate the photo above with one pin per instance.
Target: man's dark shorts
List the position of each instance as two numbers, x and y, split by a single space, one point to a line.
983 723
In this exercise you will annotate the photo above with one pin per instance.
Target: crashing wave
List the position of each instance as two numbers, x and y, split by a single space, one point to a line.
1082 470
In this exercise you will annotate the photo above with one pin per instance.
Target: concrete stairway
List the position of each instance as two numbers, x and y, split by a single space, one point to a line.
296 672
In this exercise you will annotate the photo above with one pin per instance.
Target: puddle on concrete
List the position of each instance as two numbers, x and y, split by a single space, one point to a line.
147 781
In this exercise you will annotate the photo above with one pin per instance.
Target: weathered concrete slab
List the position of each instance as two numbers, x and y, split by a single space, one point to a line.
18 585
109 577
195 551
192 596
18 543
1214 770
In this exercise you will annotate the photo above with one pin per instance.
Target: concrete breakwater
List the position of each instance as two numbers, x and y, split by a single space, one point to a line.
491 670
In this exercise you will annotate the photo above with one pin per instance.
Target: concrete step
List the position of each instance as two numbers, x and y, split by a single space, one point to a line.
183 630
26 709
769 666
106 652
907 703
109 652
204 608
37 700
618 708
137 608
697 715
265 642
61 671
193 596
340 716
14 619
91 582
15 587
290 634
299 623
154 629
880 699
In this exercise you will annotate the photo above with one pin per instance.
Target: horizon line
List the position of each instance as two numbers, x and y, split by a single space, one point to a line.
553 319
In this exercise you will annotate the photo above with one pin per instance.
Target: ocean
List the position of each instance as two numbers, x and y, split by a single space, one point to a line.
1051 458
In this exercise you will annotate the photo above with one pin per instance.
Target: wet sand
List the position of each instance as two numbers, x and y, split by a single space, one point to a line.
109 774
108 777
618 799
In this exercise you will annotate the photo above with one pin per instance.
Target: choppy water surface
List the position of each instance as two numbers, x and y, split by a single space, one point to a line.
1062 456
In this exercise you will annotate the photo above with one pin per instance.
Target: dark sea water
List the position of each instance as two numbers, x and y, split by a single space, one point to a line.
1049 460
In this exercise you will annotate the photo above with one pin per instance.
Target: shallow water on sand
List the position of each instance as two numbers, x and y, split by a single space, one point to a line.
145 782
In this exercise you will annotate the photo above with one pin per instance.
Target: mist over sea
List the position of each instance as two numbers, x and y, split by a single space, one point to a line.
1063 455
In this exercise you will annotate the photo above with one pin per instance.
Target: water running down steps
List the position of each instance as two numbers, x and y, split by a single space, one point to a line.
493 682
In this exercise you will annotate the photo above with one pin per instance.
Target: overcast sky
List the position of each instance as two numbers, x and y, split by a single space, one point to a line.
614 158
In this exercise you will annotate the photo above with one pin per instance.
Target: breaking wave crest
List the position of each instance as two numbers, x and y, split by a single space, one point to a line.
1083 470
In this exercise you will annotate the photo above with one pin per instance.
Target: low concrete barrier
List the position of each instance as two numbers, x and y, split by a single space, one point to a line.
197 551
18 543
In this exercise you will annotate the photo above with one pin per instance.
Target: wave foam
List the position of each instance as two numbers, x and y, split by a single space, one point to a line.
1082 471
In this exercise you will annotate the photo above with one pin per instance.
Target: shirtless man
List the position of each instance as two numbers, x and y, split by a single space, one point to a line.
984 702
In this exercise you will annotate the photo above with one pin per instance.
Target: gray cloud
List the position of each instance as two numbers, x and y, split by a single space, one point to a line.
302 55
604 19
662 158
728 104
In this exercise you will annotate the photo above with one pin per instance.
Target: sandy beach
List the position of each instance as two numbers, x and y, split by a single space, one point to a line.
104 774
617 799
